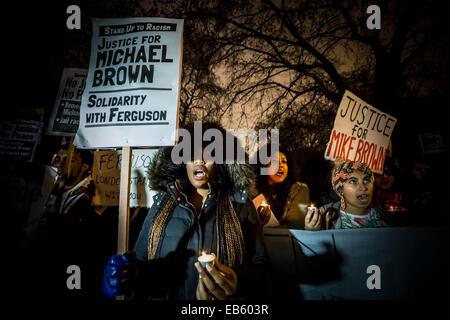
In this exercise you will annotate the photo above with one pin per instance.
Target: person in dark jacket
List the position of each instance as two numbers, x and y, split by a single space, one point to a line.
200 206
82 234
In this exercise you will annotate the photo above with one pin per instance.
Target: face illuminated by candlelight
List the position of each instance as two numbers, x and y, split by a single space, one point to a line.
358 190
280 175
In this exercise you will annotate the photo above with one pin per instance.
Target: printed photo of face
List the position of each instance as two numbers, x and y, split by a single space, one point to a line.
358 190
59 160
280 175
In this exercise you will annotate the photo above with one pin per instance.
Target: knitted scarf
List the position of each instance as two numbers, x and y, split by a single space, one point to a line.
230 240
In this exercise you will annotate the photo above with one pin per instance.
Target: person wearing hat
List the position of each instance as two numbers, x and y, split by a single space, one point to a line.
353 182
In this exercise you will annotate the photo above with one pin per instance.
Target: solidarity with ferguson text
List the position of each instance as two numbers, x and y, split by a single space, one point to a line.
125 100
116 115
133 117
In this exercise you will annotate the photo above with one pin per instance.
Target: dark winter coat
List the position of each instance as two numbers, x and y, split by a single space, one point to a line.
172 274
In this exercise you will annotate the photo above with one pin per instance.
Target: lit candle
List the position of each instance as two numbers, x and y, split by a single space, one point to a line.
204 259
263 204
312 207
391 209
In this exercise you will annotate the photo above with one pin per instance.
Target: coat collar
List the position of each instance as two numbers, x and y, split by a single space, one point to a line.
179 190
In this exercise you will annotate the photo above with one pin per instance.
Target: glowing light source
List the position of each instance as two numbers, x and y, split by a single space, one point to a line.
204 259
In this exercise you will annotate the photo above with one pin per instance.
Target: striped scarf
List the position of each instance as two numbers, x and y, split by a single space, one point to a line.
230 240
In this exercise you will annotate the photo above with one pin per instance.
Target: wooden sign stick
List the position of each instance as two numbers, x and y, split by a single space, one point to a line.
124 201
67 166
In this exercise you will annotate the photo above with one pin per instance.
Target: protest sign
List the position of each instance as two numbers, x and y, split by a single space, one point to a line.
36 114
431 142
48 182
66 110
132 88
361 132
106 177
19 138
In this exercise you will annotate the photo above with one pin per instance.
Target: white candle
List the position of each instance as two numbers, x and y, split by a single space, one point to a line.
204 259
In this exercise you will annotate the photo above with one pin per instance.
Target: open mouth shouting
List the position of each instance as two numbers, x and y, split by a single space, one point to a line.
200 173
280 173
278 176
363 199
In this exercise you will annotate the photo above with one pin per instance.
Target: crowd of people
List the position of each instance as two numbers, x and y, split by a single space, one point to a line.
221 209
353 197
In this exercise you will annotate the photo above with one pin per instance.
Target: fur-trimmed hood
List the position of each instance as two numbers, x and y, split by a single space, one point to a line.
162 172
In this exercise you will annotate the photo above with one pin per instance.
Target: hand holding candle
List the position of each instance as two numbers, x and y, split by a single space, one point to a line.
264 212
204 259
312 207
312 218
216 281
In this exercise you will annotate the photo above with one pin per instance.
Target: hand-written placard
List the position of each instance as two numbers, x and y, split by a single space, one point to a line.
106 177
361 132
66 111
132 89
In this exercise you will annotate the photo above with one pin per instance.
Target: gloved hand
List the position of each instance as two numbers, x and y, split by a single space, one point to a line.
119 274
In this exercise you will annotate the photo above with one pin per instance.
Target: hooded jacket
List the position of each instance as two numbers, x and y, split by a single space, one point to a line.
172 274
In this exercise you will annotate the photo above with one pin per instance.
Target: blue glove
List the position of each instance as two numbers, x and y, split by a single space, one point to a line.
119 274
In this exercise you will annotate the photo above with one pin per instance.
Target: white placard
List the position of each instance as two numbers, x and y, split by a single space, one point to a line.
106 177
361 133
132 90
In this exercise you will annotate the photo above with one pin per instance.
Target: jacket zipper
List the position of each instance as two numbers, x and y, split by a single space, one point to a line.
185 197
197 216
176 186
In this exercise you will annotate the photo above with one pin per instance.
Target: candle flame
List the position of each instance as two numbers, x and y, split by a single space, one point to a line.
312 205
